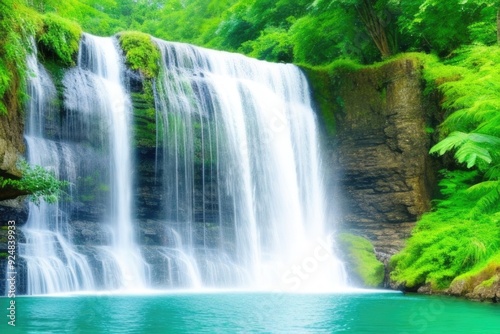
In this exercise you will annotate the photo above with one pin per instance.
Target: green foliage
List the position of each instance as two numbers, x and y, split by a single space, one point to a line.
361 256
273 45
420 19
305 31
449 241
320 38
483 275
140 52
144 120
96 17
469 147
60 37
38 182
17 24
470 83
142 55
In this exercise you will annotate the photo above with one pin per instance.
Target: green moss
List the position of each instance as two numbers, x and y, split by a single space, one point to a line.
140 52
323 95
142 55
489 282
59 38
144 119
4 255
483 274
361 258
325 82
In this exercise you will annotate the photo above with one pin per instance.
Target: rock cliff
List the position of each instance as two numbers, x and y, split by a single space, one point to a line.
378 153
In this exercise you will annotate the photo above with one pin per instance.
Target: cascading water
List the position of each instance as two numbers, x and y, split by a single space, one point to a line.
89 146
242 173
238 166
53 263
100 57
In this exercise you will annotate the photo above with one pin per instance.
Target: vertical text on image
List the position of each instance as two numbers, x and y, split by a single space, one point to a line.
11 271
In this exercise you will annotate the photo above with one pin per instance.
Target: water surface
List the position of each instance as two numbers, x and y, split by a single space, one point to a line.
251 313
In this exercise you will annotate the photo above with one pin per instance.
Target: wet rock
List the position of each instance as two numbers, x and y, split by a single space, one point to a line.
379 156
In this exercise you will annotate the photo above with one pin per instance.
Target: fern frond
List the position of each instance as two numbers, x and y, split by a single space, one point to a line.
454 140
488 195
471 147
469 152
493 172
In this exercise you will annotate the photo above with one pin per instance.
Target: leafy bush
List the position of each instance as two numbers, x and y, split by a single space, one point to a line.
60 37
38 182
140 52
273 45
17 25
470 84
449 241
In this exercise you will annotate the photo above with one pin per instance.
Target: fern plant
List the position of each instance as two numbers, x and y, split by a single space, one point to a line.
472 128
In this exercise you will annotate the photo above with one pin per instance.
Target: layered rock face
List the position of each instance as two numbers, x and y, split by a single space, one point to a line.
380 153
11 142
11 147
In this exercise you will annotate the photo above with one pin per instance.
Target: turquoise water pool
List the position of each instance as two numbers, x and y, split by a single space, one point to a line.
239 312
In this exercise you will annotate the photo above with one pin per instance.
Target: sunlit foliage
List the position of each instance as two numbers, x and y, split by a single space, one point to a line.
450 240
37 182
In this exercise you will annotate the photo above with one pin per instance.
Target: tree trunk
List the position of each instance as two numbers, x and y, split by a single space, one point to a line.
375 26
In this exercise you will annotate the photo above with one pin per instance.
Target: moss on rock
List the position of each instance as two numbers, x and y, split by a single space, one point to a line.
144 120
361 261
481 282
59 38
143 56
325 81
141 53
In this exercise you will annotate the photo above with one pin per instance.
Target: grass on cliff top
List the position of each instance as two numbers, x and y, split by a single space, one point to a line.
349 65
361 257
326 81
449 241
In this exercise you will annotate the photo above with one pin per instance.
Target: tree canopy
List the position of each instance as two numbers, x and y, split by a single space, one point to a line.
308 31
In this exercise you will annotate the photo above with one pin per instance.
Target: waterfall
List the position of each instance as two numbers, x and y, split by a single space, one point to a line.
242 171
238 174
99 57
53 263
90 148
